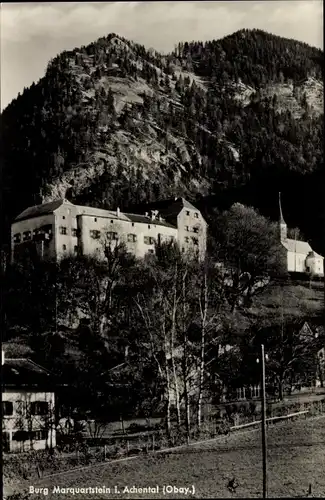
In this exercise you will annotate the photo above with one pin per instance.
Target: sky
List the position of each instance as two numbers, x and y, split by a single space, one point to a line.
33 33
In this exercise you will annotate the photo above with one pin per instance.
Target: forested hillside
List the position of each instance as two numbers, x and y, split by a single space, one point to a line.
114 124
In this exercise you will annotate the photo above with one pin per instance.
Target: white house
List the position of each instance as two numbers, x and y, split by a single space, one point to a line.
28 406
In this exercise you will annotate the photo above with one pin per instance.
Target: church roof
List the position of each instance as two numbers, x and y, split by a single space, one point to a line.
297 246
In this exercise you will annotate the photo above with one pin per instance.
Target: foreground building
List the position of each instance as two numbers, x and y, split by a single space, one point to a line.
57 229
28 406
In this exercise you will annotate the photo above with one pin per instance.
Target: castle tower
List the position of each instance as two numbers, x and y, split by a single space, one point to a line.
282 224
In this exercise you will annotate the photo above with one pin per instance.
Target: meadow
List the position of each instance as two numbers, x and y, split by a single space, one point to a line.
296 458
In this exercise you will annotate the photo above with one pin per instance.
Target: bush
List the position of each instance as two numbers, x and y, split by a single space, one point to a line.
223 427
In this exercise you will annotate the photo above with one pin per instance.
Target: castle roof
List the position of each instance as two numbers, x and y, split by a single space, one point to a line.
169 208
43 209
100 212
147 220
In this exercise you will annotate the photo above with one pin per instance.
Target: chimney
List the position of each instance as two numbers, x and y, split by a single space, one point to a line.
153 215
118 212
146 214
2 357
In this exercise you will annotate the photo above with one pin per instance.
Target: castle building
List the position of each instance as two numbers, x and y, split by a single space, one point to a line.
57 229
301 258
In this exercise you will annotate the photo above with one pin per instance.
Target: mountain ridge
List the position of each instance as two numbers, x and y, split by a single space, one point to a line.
115 124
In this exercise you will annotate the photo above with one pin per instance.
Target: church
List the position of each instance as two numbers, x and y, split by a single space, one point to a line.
301 258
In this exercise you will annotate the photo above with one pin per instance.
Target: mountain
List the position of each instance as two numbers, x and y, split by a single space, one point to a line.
114 124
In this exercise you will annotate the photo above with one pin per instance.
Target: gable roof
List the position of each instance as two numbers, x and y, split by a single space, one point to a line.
24 372
297 246
43 209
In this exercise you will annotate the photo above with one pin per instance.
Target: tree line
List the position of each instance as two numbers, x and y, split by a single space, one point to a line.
161 334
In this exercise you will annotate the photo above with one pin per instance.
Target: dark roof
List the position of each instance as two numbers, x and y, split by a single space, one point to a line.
171 206
37 210
147 220
23 372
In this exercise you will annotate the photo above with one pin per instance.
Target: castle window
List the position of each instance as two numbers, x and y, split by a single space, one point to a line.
148 226
186 228
27 235
74 232
17 238
132 238
111 236
196 215
195 241
195 229
132 224
95 219
63 217
187 212
186 239
148 240
63 230
64 247
95 234
112 221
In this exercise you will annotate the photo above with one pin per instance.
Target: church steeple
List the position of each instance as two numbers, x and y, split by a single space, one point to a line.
282 224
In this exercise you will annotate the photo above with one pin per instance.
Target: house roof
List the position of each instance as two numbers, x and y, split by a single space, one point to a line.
23 372
44 209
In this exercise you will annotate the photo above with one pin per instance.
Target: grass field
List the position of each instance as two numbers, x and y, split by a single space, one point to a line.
296 458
